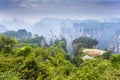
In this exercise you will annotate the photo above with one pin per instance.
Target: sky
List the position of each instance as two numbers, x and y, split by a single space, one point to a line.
34 10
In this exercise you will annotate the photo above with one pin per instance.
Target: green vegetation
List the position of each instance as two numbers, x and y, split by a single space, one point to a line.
83 42
38 41
53 63
6 44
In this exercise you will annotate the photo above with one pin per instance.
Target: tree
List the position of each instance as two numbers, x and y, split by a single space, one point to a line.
78 59
40 41
6 44
30 70
83 42
11 34
61 43
24 51
94 69
115 61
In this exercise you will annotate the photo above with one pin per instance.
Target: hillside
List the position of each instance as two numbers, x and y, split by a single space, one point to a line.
103 31
28 62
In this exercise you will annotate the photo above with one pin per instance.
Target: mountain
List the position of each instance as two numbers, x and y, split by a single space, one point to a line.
114 44
101 31
50 27
3 28
113 20
20 34
16 24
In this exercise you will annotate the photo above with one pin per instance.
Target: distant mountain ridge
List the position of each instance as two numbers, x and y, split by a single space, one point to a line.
16 24
103 31
20 34
2 28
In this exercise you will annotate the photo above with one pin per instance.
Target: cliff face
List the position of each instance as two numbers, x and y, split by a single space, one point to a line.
101 31
114 44
104 32
23 34
20 34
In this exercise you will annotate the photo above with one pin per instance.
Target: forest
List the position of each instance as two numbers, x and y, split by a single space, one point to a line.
28 59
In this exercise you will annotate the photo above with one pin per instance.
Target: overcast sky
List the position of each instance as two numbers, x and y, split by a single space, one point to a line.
33 10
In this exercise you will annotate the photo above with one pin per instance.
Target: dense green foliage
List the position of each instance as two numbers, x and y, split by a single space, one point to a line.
83 42
38 41
61 43
52 63
6 44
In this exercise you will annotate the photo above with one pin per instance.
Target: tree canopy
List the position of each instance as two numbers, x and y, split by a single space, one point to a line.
83 42
51 63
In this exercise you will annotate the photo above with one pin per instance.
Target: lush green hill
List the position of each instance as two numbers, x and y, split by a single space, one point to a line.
53 63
